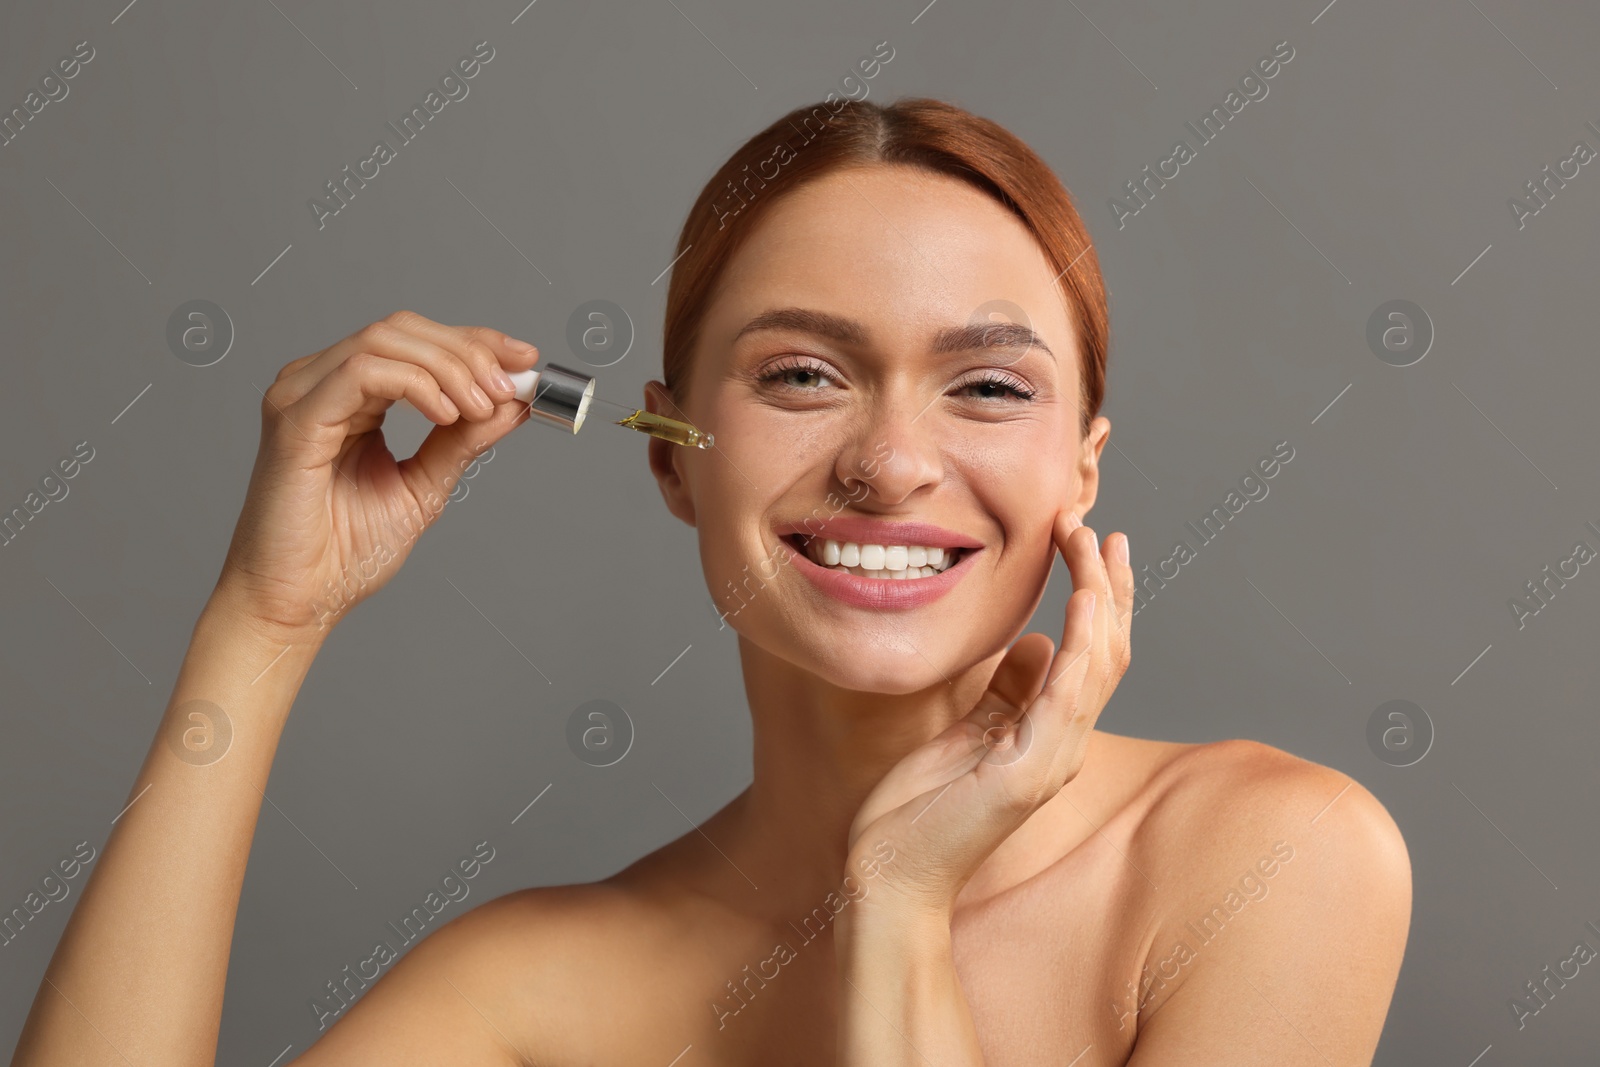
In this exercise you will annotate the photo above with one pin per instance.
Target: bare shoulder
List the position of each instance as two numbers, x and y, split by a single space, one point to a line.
1209 800
1268 861
567 922
562 946
515 980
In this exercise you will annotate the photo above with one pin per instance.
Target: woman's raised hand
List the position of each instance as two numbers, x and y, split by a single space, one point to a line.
330 515
951 802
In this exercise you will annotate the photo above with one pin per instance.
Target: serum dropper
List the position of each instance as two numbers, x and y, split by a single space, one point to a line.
562 397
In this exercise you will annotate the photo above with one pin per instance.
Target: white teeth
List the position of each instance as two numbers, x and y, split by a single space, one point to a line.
892 562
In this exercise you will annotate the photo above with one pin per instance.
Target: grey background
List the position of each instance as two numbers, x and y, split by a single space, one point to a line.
1379 567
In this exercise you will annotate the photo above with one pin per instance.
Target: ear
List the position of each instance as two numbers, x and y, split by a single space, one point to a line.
1089 464
665 456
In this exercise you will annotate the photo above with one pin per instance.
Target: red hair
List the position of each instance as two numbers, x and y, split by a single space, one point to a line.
934 136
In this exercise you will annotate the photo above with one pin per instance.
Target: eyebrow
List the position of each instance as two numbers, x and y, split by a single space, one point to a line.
971 337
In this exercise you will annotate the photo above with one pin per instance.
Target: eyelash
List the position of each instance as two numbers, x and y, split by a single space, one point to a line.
806 365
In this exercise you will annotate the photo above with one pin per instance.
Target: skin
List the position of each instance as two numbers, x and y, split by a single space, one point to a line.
962 868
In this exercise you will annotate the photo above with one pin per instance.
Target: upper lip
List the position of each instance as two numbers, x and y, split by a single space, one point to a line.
863 531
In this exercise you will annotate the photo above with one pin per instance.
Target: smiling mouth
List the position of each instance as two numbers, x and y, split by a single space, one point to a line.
886 562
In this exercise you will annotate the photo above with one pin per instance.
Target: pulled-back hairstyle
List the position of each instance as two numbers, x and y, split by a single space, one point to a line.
937 137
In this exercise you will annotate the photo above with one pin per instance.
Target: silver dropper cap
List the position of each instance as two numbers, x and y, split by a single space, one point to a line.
555 394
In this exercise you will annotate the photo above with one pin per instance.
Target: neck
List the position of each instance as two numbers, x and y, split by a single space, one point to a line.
818 751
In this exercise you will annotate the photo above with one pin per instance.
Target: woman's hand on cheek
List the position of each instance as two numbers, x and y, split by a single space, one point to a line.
951 802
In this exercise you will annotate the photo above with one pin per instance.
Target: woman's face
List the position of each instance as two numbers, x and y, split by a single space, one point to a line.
847 405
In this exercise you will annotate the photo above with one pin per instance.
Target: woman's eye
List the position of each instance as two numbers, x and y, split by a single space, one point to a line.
997 388
802 377
807 376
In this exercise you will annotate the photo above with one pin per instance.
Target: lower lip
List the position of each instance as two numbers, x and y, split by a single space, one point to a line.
883 594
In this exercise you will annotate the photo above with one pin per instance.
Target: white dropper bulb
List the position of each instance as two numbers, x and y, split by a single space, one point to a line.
526 382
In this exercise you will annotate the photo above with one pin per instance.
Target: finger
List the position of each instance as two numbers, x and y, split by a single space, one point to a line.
514 353
294 365
1008 715
386 339
446 453
1112 579
1086 558
1013 685
486 352
1079 549
364 384
1065 710
1114 588
1119 569
1018 678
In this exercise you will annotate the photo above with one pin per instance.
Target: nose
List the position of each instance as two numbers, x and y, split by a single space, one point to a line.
895 454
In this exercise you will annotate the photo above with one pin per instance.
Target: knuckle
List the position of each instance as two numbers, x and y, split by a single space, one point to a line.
272 401
1025 788
378 334
292 366
481 353
362 364
454 370
404 319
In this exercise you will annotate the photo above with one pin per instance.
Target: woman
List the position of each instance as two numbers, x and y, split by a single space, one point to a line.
892 319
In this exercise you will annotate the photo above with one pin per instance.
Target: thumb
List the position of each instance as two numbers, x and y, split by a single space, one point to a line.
448 451
1016 681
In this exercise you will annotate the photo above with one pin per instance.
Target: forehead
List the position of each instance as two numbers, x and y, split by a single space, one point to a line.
902 250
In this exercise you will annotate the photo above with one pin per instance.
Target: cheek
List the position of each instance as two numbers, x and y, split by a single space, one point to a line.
1022 480
770 448
1022 483
760 459
733 489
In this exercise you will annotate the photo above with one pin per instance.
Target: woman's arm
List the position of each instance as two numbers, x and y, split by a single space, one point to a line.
900 1003
330 515
951 802
139 972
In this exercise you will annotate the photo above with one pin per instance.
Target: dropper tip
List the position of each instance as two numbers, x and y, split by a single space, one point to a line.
679 433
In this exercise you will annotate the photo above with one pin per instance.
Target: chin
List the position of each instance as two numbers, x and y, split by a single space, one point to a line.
910 675
877 660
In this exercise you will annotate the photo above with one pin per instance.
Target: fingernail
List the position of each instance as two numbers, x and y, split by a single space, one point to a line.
1073 522
502 379
518 346
449 407
1121 549
1092 600
480 397
1096 539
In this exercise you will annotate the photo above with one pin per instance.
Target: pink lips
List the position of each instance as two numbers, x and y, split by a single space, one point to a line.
882 592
